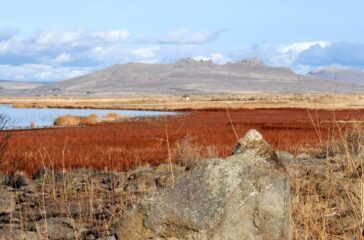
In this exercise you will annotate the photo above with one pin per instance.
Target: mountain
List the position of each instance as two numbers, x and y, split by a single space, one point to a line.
339 74
188 76
17 85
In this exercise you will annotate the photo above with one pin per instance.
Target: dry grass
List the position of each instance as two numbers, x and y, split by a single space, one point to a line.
76 197
112 117
242 100
187 152
68 120
328 198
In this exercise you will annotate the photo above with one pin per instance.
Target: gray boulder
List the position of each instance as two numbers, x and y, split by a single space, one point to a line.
245 196
285 157
19 180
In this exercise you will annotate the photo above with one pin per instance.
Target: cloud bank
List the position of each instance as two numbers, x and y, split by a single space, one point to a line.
48 55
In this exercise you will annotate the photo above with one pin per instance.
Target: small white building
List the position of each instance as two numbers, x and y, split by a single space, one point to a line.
186 97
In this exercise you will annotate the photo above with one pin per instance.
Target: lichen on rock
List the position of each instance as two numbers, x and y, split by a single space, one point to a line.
245 196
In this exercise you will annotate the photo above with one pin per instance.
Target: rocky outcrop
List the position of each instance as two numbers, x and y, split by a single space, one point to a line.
246 196
251 62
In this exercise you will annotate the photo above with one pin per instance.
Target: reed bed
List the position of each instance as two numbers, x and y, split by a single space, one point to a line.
121 145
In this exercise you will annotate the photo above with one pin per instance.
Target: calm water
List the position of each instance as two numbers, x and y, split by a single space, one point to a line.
22 117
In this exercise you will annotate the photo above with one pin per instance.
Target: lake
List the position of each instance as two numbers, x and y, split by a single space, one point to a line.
42 117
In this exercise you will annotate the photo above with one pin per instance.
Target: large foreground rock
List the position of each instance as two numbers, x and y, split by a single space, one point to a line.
246 196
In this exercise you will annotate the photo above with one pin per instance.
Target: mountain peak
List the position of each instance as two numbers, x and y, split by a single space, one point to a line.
191 61
254 61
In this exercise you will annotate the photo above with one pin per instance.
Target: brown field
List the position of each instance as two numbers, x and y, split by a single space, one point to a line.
234 101
122 145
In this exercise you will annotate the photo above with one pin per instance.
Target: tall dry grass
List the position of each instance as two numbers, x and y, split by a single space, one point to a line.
75 197
328 197
187 152
111 117
68 120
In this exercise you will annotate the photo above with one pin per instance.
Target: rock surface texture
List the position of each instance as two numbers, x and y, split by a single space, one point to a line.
246 196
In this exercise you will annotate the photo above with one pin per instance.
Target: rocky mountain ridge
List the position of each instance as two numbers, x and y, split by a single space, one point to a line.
188 76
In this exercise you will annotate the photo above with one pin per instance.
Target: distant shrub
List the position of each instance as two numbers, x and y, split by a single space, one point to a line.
68 120
32 125
111 117
89 120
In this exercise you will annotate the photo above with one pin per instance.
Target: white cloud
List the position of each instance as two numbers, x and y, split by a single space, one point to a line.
40 72
185 36
4 47
217 58
74 48
339 53
8 33
58 38
62 40
303 57
62 58
146 54
302 46
113 35
54 55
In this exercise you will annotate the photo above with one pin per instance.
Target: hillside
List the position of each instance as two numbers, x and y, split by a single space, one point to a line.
188 76
17 85
344 75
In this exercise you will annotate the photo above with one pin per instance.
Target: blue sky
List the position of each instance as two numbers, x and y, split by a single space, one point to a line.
52 40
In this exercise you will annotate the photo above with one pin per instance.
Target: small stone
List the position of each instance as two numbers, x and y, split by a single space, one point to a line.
19 180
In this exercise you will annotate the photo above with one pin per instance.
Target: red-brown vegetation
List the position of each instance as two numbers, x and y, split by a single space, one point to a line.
121 145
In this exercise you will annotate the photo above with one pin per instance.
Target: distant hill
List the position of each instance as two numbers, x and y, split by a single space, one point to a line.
188 76
17 85
339 74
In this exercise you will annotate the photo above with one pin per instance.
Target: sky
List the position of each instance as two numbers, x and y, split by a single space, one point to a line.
51 40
